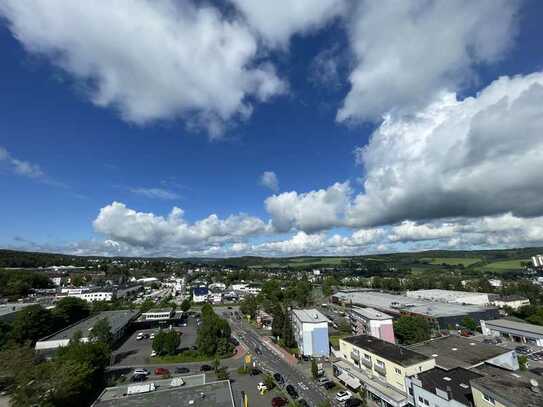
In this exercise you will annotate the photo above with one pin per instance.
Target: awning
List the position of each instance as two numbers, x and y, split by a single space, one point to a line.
349 381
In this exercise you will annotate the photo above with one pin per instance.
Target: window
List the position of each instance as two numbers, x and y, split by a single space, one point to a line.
398 371
380 363
489 399
367 357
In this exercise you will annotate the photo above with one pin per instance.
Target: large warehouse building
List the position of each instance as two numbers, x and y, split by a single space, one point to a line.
451 296
516 331
441 314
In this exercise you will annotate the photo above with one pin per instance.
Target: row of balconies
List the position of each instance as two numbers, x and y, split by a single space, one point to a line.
368 363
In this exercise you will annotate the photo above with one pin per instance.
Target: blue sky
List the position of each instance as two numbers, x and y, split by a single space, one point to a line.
380 127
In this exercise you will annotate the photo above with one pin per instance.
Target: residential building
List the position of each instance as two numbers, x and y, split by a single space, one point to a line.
521 332
511 301
380 367
368 321
499 388
311 332
442 388
215 298
451 296
440 315
157 314
457 351
537 260
217 286
496 283
89 294
118 321
199 294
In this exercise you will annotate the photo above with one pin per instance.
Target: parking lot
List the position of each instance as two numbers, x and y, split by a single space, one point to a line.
134 352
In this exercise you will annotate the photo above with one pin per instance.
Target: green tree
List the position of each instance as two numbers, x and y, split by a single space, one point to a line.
269 382
248 306
314 369
101 331
328 285
147 305
411 330
32 323
69 310
523 362
288 334
166 342
213 334
185 305
5 330
469 323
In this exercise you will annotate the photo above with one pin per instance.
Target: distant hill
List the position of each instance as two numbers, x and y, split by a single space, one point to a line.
502 259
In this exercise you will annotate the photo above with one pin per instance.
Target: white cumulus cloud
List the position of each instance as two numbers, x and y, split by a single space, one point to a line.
276 21
407 52
150 60
269 180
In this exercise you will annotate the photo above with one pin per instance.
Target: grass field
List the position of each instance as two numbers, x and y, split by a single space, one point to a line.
453 261
505 265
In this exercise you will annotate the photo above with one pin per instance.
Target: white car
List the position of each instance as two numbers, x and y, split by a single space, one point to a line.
141 372
152 336
153 354
140 336
343 395
261 386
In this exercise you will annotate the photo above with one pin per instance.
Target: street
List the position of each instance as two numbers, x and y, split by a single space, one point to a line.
268 361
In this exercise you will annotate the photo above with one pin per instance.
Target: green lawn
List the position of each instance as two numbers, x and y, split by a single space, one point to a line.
453 261
186 357
505 265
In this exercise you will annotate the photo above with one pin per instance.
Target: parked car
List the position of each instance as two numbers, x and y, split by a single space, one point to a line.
278 378
141 371
152 336
522 349
182 369
465 332
343 395
140 336
353 402
291 391
329 385
261 387
205 368
161 371
153 354
322 380
258 351
302 403
255 371
279 402
139 377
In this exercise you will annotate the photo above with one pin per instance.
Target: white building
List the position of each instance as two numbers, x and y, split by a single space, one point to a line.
537 260
451 296
88 294
217 286
311 332
157 314
368 321
511 301
494 282
516 331
215 298
245 288
200 294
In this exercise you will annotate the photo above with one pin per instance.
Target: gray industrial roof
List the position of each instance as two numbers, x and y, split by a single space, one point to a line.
370 313
309 315
519 326
509 388
117 321
389 351
457 351
396 303
215 394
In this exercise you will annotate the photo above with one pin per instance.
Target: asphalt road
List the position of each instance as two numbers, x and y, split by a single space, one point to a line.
269 361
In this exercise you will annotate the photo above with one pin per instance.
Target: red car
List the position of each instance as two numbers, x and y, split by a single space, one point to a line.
161 371
279 402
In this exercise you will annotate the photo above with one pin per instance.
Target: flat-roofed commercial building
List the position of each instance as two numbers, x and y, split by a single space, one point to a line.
118 321
511 301
452 296
441 315
521 332
157 314
368 321
456 351
442 388
380 366
191 391
311 332
499 388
